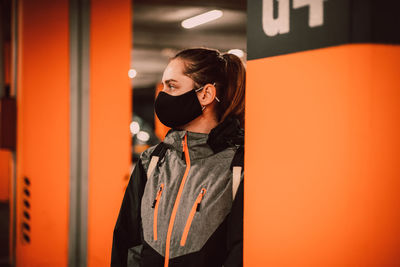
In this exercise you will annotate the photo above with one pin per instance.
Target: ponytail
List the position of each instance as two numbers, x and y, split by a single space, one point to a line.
227 71
233 101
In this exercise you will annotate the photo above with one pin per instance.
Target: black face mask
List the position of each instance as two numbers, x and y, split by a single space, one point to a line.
174 111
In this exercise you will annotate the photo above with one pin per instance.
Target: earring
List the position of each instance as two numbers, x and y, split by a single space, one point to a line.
203 108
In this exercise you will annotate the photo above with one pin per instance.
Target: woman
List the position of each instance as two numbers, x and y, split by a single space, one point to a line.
184 202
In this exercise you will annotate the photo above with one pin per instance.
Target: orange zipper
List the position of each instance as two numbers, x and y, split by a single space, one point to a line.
177 200
195 207
155 206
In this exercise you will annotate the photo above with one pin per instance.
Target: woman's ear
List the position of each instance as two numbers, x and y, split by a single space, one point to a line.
207 95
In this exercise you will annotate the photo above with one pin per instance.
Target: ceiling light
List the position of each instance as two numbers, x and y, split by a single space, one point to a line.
132 73
135 128
143 136
236 52
201 19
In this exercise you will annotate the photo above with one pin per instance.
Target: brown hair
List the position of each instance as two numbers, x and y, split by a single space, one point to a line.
204 65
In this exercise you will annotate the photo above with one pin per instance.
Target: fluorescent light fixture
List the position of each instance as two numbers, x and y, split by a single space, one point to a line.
143 136
132 73
201 19
135 128
236 52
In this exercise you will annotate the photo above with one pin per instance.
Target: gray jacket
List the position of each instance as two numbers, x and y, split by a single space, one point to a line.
186 201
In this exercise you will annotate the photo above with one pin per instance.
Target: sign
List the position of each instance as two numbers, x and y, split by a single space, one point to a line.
277 27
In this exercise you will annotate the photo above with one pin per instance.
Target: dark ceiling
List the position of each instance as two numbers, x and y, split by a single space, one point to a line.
158 34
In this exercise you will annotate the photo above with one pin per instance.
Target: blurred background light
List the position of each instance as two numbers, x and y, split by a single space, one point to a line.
201 19
132 73
135 128
143 136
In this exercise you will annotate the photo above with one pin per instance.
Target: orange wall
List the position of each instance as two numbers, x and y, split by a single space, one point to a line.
5 174
110 116
43 131
322 158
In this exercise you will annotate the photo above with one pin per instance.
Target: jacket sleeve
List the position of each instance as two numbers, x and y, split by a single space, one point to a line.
128 228
235 231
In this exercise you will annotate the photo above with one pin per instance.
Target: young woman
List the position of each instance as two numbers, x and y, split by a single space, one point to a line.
184 202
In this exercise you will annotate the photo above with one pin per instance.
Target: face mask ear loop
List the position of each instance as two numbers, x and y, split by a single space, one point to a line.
198 89
216 98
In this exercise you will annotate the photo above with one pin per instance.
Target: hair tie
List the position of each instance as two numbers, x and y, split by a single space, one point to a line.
223 59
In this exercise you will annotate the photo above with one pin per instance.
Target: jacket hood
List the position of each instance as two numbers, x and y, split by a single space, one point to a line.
226 134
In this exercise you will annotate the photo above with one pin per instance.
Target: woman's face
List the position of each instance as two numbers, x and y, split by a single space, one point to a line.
175 82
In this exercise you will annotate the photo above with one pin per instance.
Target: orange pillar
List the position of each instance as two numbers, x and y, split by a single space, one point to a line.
73 140
110 116
43 134
322 126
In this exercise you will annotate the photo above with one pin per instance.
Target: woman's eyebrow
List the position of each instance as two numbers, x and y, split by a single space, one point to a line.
170 80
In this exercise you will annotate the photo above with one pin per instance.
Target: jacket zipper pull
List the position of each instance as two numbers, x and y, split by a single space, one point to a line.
203 191
157 197
183 149
198 207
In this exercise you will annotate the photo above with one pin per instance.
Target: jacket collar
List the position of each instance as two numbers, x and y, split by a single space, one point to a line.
226 134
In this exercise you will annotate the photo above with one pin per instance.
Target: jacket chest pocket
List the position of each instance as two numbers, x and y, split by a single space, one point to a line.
155 205
195 208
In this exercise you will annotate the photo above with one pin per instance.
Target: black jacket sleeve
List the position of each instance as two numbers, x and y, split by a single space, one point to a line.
128 229
235 231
